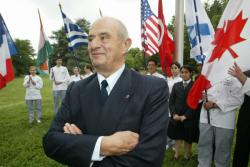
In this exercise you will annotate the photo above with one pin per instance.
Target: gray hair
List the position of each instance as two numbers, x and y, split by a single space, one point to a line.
122 30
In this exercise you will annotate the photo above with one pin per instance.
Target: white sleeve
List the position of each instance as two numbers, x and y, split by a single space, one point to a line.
96 153
51 74
26 81
231 96
246 87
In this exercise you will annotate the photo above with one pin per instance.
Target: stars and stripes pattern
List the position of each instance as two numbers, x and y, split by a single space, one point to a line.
149 27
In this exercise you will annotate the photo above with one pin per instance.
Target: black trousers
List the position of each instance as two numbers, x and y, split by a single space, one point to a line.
242 146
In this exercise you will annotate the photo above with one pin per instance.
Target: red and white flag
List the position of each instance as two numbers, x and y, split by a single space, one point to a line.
231 44
7 48
165 43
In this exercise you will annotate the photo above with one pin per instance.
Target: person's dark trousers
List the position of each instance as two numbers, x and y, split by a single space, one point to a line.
242 146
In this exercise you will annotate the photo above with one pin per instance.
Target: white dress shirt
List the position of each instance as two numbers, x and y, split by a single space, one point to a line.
87 75
157 75
172 81
33 91
112 79
59 74
75 78
228 95
246 87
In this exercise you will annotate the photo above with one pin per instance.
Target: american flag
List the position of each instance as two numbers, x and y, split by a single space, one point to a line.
150 30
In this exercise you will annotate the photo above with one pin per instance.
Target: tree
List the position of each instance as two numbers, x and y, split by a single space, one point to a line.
24 57
79 57
215 10
134 59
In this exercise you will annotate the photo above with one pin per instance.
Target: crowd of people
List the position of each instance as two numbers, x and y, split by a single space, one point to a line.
119 117
60 78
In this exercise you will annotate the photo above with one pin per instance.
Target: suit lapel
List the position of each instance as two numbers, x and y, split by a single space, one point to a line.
90 104
116 104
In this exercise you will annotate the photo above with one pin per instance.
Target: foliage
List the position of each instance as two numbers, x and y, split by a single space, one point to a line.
78 57
24 57
134 59
214 10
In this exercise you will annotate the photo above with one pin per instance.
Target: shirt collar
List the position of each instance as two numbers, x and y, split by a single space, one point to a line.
188 81
112 79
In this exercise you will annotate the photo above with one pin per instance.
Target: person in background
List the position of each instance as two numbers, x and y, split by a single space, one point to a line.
60 78
216 137
33 83
115 117
76 76
175 69
88 70
152 69
180 126
242 145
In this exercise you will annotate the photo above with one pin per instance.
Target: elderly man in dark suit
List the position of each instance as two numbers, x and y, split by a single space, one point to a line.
114 118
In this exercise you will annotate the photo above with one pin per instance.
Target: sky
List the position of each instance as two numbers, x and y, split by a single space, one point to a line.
21 16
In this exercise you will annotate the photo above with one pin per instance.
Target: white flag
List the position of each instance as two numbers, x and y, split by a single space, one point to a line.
200 30
231 43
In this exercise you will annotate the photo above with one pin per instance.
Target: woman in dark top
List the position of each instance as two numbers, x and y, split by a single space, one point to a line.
181 122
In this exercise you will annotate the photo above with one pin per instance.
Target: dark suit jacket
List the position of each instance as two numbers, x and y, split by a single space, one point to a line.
137 103
177 100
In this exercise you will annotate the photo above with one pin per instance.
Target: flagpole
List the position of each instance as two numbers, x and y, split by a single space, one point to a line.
201 51
100 12
179 31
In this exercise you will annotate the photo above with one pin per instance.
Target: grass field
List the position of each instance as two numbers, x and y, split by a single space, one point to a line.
21 143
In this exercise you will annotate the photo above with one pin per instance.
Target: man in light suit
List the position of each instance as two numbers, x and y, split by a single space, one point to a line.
114 118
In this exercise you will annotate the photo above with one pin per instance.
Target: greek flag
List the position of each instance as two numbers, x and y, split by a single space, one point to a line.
200 30
75 35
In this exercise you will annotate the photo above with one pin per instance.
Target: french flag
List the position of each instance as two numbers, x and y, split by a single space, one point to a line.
7 48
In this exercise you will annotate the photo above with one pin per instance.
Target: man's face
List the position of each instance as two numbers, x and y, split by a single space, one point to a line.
76 71
59 62
32 71
185 74
105 47
152 67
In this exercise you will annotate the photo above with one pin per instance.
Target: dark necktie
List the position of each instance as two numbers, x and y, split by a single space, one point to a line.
104 92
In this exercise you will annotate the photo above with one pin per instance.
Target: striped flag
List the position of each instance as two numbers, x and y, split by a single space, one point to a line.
149 28
200 30
7 48
44 51
76 37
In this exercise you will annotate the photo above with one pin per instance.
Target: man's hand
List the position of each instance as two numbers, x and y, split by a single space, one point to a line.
237 73
71 129
209 105
119 143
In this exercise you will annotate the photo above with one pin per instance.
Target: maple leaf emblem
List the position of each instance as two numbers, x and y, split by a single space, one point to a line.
224 40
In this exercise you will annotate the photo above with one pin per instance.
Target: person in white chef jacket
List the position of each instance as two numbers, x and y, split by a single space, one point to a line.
33 83
60 77
224 98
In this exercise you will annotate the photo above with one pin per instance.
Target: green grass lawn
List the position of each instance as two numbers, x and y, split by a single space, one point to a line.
21 143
